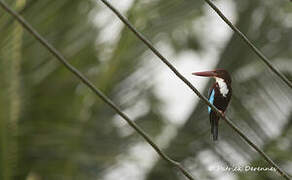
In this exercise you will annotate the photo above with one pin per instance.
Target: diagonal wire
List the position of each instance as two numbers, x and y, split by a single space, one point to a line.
89 84
250 44
165 61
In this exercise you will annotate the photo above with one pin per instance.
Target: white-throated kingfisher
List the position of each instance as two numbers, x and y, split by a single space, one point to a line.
219 95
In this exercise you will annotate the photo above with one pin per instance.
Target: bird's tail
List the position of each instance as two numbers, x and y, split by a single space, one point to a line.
214 120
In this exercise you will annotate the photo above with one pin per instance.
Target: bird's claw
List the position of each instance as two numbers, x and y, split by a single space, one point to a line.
222 113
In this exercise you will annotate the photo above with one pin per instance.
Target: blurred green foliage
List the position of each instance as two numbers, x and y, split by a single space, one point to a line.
53 127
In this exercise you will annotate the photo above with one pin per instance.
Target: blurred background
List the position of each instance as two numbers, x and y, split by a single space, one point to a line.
54 127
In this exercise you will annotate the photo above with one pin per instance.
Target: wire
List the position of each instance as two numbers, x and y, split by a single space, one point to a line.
164 60
77 73
250 44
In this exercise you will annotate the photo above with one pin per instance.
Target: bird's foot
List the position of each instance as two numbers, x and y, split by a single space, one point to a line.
221 112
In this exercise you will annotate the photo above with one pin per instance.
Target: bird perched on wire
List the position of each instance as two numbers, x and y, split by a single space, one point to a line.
219 96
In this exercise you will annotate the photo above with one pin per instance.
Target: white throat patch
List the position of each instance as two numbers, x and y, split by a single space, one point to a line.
222 86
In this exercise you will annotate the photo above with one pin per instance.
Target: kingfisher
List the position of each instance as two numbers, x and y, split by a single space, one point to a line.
219 95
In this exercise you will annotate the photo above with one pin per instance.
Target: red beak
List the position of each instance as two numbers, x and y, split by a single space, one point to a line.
205 73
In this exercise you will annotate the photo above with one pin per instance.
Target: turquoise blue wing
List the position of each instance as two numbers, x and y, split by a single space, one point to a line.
211 100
